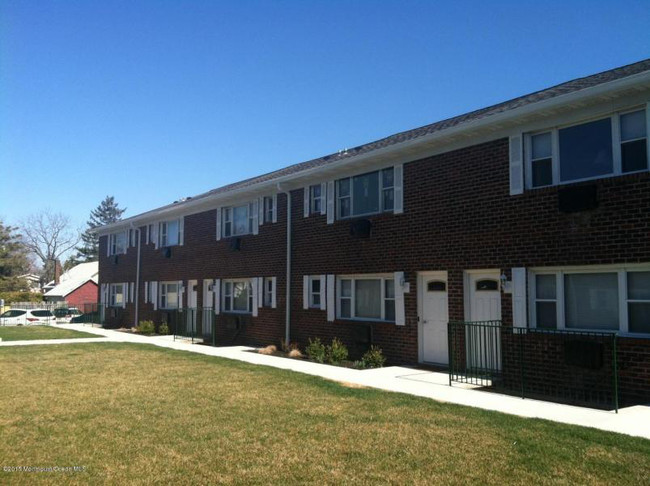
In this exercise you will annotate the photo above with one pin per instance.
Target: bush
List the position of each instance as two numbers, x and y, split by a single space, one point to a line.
146 327
316 350
294 353
373 358
336 352
10 297
268 350
163 329
287 347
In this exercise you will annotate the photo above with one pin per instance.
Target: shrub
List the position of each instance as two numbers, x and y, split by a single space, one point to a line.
287 347
373 358
146 327
336 352
316 350
268 350
294 353
163 329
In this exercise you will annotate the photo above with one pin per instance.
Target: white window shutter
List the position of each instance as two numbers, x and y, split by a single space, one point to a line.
305 291
330 202
323 284
255 289
181 231
331 298
400 314
102 294
125 293
274 284
146 292
132 293
323 198
256 217
126 239
261 291
154 294
147 237
260 210
398 189
108 245
217 296
647 128
516 165
275 208
519 297
180 294
306 202
219 224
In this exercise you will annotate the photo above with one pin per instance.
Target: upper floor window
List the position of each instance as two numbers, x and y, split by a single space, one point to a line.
365 194
609 146
269 209
116 295
117 243
238 220
237 296
169 295
366 298
170 233
315 199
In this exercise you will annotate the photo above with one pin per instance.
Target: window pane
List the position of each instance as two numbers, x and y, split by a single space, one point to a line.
639 317
633 125
545 286
591 300
315 300
344 207
546 315
346 288
387 178
315 285
638 285
367 298
344 187
346 308
389 291
172 233
388 201
366 193
634 156
586 150
390 310
542 172
240 217
541 145
315 191
240 296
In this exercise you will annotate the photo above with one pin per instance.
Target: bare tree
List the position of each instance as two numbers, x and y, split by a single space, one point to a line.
48 236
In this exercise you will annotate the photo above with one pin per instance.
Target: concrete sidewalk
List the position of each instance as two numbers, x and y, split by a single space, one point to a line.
633 421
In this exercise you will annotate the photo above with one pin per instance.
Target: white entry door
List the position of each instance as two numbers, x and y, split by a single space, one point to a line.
483 342
191 305
434 316
484 296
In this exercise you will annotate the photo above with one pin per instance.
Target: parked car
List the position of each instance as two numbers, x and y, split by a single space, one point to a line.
86 318
65 314
26 317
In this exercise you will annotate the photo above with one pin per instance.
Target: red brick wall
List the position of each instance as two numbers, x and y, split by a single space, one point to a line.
86 294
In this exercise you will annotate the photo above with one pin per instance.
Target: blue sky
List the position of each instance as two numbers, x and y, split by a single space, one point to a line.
150 101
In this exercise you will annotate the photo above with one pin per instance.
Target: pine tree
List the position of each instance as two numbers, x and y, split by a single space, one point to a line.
107 212
13 260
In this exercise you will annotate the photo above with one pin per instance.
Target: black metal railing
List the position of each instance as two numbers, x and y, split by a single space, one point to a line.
567 366
196 324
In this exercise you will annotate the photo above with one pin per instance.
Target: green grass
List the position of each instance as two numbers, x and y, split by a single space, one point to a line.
137 413
30 333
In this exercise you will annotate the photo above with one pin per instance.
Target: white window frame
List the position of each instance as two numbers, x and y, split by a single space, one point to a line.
227 214
312 294
381 189
269 209
560 272
314 200
267 292
353 278
164 235
163 295
227 292
113 293
617 166
113 243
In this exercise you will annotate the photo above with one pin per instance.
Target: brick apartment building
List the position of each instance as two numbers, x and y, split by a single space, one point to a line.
534 212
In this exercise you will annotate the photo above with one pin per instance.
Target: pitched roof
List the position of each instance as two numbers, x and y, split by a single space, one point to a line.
75 278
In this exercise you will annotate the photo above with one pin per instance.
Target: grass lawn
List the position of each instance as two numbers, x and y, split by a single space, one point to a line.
30 333
137 413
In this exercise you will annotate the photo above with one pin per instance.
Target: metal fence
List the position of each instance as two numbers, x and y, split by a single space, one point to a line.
196 324
567 366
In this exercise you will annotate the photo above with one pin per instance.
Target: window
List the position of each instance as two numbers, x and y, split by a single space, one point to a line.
436 286
238 220
366 298
237 296
169 295
638 302
486 285
170 233
116 292
315 199
366 194
269 209
634 140
607 299
588 150
268 292
117 242
150 233
315 292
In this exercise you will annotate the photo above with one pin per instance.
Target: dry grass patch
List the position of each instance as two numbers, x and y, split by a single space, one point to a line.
31 333
140 414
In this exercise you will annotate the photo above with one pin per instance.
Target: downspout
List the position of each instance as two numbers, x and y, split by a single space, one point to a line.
137 278
287 331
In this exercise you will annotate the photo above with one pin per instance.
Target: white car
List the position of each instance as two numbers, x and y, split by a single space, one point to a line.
25 317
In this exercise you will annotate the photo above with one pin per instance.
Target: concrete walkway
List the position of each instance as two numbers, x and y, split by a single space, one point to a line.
631 420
